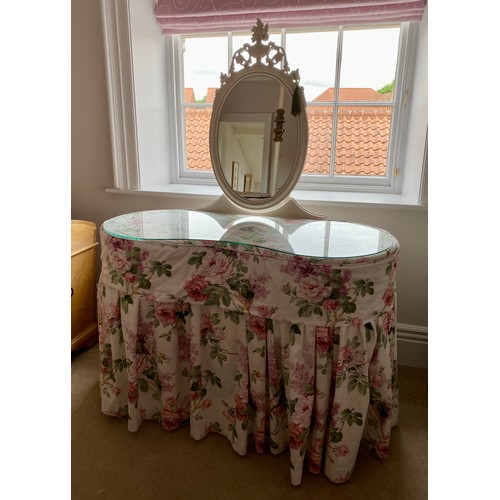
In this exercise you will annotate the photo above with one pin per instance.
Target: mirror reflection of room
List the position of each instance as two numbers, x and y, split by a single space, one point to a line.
244 150
246 135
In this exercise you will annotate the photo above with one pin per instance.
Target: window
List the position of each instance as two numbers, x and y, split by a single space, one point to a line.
354 86
148 104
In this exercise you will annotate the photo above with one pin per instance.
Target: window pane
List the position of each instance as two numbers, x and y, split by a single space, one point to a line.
197 138
369 60
201 78
362 140
313 54
203 60
319 146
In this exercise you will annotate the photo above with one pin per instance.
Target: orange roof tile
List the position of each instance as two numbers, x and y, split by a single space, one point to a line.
319 121
349 94
362 135
362 140
197 138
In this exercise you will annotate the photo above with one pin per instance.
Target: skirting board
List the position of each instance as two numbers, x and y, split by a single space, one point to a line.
412 345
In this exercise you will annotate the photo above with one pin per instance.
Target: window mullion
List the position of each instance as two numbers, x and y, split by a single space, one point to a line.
283 44
336 92
179 146
230 51
404 77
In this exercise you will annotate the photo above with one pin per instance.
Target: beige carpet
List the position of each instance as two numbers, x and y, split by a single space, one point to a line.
109 462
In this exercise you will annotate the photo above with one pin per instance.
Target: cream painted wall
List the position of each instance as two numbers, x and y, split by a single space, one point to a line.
91 171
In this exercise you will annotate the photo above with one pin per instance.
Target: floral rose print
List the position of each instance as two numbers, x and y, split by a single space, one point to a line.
166 314
342 450
292 353
110 316
388 296
215 267
195 288
174 413
314 288
330 305
119 260
389 320
259 285
324 340
132 392
266 311
258 327
211 328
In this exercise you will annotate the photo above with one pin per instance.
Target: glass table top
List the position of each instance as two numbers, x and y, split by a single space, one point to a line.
311 238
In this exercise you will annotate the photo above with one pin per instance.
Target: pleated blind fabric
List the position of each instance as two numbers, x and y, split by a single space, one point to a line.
206 16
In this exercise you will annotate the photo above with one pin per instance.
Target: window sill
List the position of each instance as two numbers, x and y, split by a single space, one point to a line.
209 194
351 198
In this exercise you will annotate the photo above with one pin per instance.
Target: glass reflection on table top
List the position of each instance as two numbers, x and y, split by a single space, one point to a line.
310 238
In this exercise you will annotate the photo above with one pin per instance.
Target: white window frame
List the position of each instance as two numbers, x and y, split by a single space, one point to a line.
130 157
391 182
182 174
402 88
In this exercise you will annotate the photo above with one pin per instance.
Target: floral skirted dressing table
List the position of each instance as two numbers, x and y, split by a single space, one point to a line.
218 320
276 331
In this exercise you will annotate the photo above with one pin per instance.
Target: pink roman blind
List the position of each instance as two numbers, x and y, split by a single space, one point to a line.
205 16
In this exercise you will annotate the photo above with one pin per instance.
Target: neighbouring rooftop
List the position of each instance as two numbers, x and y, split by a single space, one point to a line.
362 133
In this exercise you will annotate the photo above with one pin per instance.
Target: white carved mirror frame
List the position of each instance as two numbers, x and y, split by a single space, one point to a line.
264 63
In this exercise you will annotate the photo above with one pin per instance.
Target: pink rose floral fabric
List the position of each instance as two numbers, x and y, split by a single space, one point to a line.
284 352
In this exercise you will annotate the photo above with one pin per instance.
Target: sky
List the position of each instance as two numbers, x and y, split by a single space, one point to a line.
368 59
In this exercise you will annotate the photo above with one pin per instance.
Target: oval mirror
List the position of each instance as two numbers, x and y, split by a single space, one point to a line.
258 128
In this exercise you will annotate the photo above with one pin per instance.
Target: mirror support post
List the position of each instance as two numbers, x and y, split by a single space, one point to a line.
288 209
